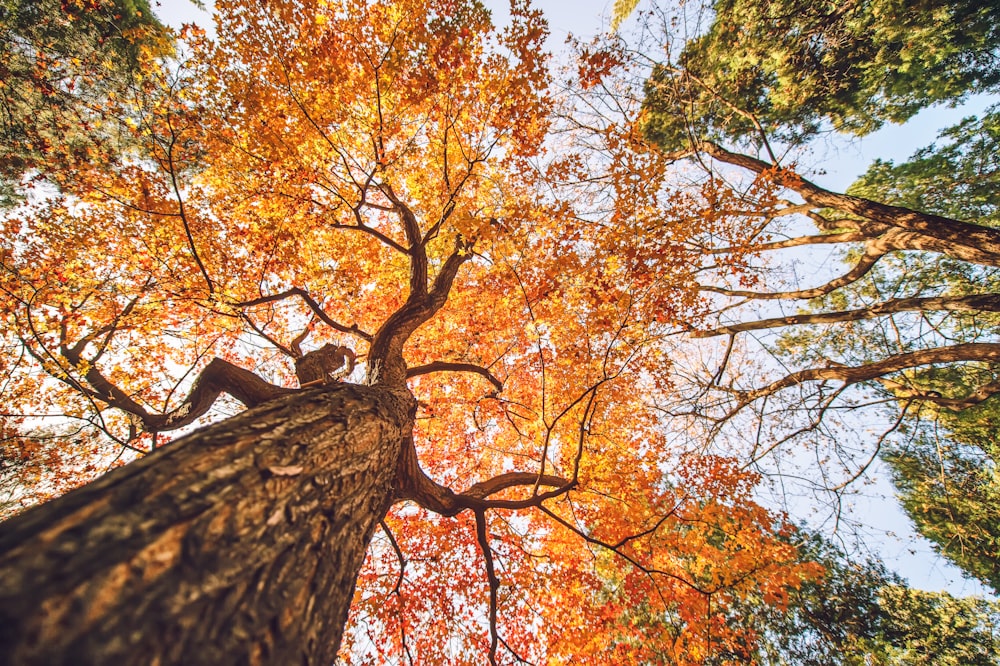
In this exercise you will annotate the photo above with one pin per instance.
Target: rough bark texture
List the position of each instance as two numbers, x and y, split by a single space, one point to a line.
237 544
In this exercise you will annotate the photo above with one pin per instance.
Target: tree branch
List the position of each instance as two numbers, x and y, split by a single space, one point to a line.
971 242
385 356
863 267
413 484
484 546
217 377
799 241
313 305
975 303
416 250
450 366
973 351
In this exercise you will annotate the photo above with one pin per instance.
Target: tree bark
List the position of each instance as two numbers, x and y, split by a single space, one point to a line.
237 544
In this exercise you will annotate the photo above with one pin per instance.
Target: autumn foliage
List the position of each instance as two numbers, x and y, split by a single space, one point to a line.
296 181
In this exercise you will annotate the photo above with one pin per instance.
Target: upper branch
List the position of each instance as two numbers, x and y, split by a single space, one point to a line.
799 241
313 305
975 303
971 242
385 356
449 366
980 394
218 377
863 267
414 237
413 484
181 208
972 351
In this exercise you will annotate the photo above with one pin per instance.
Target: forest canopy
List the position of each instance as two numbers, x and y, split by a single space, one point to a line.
411 338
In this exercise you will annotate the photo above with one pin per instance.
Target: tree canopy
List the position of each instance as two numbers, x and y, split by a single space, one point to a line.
768 71
362 192
61 63
907 321
391 326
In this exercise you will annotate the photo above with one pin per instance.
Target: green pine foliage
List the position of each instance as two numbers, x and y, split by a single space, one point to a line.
60 62
787 69
949 485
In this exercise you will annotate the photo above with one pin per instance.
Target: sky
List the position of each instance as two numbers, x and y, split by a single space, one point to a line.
836 163
583 18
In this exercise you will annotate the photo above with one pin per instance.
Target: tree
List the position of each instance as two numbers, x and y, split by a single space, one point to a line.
859 613
947 482
836 619
912 315
769 70
918 240
856 613
937 628
945 474
351 201
61 61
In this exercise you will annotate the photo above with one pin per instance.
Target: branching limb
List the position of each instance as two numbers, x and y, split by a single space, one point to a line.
259 330
980 394
971 242
386 365
313 305
450 366
799 241
973 351
414 237
589 538
976 303
412 483
218 377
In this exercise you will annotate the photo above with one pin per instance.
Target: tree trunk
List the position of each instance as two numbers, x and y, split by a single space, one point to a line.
237 544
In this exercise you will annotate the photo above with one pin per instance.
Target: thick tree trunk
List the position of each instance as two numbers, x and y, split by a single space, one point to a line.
237 544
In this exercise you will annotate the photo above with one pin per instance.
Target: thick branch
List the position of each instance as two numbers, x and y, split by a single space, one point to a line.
313 305
218 377
416 250
973 351
448 366
970 242
385 356
976 303
413 484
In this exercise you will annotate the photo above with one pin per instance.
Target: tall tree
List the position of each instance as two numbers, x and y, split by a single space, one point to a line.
948 484
937 628
918 240
945 474
857 613
335 215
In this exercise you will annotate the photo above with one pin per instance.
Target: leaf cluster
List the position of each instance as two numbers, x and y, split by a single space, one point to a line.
61 62
783 71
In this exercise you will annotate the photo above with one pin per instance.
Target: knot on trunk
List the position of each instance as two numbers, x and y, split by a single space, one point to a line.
327 364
